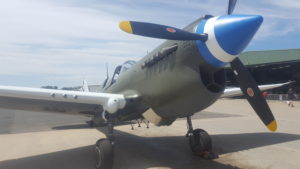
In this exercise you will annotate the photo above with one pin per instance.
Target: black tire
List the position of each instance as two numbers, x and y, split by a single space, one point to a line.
104 154
200 142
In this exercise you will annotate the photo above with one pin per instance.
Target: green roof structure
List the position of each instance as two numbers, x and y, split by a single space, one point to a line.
270 66
270 56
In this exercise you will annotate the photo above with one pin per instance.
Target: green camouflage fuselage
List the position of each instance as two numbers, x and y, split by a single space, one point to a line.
176 83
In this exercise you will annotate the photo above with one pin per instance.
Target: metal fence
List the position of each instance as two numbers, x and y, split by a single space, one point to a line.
280 97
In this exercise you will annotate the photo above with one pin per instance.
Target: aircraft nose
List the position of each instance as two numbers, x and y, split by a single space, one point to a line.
228 36
234 32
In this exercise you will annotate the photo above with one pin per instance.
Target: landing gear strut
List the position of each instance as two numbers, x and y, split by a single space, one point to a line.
200 141
104 150
97 120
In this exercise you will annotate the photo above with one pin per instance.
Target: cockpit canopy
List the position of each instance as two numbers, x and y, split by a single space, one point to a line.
127 65
118 71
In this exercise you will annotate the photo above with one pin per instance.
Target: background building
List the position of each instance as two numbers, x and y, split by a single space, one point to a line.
267 67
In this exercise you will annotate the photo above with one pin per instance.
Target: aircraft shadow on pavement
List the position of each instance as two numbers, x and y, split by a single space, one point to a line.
147 152
83 126
228 143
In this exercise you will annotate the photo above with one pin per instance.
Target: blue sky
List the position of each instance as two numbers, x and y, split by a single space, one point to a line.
62 42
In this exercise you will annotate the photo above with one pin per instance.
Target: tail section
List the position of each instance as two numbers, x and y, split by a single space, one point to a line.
85 86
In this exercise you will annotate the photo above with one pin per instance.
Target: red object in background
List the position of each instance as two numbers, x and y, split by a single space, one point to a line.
265 94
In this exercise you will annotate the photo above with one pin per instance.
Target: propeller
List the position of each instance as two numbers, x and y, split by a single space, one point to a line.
159 31
165 32
231 6
229 35
253 94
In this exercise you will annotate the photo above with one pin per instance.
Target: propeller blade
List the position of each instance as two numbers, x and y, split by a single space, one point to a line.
253 94
231 6
159 31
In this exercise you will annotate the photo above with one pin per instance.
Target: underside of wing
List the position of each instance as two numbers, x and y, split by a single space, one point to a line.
61 101
48 106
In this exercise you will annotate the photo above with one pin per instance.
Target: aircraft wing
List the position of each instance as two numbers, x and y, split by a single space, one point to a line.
236 91
63 101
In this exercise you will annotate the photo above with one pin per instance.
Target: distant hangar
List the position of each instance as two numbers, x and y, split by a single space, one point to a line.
273 66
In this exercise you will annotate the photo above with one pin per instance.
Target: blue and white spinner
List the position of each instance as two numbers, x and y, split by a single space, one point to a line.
228 36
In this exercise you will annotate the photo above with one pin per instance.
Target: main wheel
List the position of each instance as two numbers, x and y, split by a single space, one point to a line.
200 143
104 154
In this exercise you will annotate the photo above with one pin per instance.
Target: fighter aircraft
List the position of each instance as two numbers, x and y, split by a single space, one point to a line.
182 76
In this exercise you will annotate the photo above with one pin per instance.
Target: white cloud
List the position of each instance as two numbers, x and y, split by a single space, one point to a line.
290 4
63 41
39 37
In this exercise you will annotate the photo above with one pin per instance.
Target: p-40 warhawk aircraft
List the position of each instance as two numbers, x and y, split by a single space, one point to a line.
182 76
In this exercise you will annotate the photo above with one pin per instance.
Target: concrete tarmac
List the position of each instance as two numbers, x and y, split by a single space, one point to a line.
34 140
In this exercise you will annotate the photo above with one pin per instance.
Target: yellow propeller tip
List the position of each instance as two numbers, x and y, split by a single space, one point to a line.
272 126
126 26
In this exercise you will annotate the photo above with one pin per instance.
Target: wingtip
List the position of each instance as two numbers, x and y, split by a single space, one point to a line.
126 26
272 126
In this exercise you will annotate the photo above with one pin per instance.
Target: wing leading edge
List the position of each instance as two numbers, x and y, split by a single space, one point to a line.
109 102
232 92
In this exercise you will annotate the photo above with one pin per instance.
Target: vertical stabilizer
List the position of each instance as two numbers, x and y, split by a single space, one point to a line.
85 86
